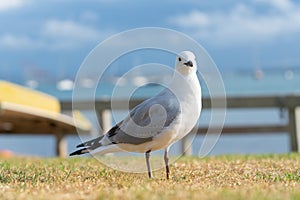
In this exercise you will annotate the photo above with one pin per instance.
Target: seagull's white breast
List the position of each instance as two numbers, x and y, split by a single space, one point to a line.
188 92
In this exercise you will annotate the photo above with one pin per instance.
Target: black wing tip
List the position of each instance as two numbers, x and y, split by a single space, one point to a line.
80 145
80 151
73 153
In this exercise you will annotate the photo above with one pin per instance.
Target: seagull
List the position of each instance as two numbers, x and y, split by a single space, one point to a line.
157 122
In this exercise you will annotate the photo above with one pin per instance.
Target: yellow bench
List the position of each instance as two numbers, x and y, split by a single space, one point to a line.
25 111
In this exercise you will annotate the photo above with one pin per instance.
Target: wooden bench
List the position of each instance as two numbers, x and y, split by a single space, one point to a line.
25 111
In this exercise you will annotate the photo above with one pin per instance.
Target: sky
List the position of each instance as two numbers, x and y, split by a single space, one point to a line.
49 39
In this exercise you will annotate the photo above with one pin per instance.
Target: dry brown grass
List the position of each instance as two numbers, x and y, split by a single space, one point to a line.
225 177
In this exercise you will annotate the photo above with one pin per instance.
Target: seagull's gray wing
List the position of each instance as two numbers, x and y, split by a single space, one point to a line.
146 120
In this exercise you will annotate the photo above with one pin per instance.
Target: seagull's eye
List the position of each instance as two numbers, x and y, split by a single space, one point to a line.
179 59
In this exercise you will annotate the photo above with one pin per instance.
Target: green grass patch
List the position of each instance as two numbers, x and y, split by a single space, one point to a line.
220 177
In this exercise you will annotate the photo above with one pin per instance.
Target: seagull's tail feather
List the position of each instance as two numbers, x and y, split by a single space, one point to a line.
89 146
90 142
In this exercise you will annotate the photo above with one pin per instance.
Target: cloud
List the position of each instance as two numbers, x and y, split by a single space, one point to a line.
66 29
67 34
11 4
88 16
55 35
18 42
243 23
282 5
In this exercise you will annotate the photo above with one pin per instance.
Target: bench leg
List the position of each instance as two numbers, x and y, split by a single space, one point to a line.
293 129
104 118
61 146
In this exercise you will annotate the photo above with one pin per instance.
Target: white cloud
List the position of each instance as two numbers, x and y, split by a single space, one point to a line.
55 35
194 18
18 42
69 30
88 16
243 23
282 5
67 34
11 4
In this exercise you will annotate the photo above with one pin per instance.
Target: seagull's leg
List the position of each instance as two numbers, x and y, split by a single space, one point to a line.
148 164
167 162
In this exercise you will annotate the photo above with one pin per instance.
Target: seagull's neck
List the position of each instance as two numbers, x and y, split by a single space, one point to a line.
186 86
180 81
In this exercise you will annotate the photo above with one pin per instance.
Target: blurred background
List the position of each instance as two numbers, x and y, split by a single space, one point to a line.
254 43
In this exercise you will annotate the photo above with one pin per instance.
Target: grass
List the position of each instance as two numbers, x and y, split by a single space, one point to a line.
221 177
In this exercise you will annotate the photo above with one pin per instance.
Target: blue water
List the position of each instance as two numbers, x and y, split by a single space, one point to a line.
236 84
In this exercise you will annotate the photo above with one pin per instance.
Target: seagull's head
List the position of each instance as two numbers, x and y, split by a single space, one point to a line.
186 63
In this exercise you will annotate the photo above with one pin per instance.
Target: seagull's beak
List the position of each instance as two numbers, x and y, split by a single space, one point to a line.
189 63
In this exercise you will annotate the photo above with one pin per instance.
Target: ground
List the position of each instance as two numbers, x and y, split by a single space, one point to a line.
221 177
